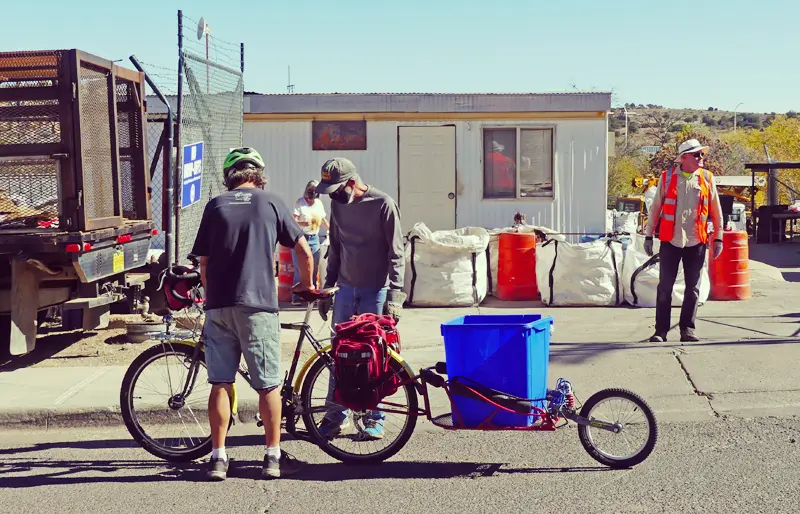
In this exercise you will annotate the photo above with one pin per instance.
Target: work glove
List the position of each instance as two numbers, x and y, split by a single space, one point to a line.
324 306
648 246
394 304
717 248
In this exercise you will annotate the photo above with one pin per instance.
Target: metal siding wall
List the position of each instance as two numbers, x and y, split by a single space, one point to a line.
580 160
581 171
286 149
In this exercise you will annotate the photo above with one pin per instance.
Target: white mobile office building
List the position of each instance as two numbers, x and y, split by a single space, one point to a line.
450 160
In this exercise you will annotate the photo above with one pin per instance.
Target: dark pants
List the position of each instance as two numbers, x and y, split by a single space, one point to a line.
693 258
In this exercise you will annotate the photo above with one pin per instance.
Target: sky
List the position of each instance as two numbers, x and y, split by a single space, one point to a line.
680 54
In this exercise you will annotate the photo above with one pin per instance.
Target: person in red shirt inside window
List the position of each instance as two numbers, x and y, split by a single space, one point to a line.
503 170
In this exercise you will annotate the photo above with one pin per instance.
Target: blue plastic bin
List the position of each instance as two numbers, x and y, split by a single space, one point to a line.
509 353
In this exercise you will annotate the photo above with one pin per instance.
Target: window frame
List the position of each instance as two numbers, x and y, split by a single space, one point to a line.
519 128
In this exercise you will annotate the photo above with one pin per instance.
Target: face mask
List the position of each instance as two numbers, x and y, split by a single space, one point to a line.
342 196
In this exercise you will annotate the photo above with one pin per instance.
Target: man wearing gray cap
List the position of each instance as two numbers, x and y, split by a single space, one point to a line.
366 261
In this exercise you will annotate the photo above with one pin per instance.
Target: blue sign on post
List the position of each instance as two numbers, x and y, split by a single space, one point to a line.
192 178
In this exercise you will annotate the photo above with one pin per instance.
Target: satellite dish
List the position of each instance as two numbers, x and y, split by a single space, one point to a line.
202 28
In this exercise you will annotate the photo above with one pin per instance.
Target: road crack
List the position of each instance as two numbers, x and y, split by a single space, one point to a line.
698 392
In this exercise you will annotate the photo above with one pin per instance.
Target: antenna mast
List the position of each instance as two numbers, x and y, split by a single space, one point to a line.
289 85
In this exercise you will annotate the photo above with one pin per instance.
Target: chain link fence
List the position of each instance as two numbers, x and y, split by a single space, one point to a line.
206 92
210 110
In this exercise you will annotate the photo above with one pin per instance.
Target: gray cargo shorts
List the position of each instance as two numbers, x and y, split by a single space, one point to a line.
231 332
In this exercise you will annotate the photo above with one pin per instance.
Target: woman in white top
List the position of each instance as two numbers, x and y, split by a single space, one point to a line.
309 212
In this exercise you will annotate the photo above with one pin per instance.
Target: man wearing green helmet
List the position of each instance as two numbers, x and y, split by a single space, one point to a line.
236 242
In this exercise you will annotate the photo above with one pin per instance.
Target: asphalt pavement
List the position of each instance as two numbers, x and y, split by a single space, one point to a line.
722 465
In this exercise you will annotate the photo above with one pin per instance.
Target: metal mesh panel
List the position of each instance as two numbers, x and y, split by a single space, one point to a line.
28 193
29 115
155 128
100 192
211 112
129 141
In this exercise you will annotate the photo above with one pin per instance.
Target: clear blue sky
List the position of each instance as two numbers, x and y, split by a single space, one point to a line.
675 53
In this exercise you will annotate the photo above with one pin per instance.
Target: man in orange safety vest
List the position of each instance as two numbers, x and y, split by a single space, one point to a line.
686 200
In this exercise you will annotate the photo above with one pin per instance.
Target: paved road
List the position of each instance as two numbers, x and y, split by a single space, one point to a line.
724 465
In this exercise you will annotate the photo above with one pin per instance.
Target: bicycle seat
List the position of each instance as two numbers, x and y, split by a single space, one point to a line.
313 295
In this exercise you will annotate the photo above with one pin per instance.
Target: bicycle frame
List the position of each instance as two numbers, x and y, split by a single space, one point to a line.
291 404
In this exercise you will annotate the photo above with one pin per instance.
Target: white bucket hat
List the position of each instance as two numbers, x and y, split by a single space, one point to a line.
691 146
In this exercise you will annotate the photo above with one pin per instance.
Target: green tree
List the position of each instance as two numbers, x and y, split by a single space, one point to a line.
782 139
622 170
722 159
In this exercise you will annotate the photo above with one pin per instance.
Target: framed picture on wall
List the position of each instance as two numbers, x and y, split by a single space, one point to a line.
339 135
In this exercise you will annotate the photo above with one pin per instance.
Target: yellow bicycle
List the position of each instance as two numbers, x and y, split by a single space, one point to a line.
171 421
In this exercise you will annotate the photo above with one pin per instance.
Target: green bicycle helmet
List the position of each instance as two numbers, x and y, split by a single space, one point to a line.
242 155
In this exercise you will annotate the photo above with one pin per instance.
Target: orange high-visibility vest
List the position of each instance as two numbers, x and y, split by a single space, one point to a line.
667 217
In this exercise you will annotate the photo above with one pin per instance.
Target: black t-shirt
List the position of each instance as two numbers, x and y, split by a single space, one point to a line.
238 233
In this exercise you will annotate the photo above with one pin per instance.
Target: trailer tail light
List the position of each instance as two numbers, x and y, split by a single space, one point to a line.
124 239
76 248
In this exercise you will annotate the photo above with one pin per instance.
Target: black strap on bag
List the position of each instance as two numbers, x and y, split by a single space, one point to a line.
489 268
614 263
652 261
413 241
475 278
550 279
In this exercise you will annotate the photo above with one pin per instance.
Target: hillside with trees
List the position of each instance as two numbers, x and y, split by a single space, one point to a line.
654 132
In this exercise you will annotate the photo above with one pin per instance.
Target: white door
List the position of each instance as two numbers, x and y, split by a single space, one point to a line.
427 178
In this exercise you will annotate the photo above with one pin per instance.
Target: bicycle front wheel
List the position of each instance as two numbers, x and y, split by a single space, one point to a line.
159 419
350 442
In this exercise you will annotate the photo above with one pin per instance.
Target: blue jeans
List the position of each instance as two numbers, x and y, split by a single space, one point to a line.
313 242
350 301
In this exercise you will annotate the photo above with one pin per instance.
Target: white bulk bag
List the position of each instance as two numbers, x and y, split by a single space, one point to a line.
626 222
494 242
585 274
640 280
447 268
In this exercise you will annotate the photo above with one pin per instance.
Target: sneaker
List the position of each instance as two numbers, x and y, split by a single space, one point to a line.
284 466
329 429
687 336
373 428
219 469
658 338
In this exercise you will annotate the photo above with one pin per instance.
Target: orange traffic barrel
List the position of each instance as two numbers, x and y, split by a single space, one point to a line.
516 267
730 272
285 274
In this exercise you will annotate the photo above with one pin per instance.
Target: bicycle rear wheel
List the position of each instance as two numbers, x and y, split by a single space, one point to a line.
158 420
351 446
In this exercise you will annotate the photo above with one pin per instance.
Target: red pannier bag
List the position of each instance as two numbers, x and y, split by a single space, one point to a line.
361 361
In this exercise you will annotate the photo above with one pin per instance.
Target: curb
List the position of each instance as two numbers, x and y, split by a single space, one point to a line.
97 417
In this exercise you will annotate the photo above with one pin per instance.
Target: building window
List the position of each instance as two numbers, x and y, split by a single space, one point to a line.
518 162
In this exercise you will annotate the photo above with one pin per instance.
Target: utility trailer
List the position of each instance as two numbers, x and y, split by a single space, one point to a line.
75 214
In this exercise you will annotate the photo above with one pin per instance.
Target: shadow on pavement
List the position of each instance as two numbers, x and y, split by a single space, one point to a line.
47 346
39 473
578 352
338 472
